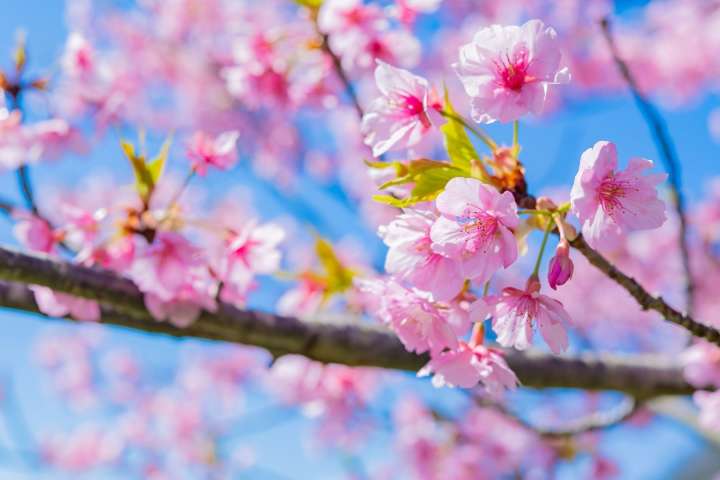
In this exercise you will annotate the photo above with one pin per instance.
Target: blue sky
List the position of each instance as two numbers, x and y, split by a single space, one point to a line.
551 152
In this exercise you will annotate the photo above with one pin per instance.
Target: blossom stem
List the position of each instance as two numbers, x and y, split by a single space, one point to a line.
482 136
516 138
182 188
548 229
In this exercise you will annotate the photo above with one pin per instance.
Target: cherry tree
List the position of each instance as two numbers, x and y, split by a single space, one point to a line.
405 238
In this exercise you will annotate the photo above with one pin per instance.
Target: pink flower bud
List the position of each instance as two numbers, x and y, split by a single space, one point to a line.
561 266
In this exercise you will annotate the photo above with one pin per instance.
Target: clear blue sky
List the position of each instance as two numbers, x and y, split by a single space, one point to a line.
551 152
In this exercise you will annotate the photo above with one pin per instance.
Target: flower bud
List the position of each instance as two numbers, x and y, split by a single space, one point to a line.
561 266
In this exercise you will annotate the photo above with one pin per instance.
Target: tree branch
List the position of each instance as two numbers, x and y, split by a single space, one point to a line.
646 301
354 344
664 144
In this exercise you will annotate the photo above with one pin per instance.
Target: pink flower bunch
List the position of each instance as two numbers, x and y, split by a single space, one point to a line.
475 227
466 366
360 33
414 317
27 143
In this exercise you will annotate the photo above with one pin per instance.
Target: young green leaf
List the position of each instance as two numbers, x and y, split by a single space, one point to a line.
457 142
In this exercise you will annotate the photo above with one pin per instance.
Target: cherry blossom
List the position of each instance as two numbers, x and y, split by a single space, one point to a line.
516 312
506 70
398 119
411 258
60 304
413 316
610 202
219 152
465 366
475 227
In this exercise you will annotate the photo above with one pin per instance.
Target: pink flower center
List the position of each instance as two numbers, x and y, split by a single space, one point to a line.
526 306
512 72
611 192
481 226
409 105
413 105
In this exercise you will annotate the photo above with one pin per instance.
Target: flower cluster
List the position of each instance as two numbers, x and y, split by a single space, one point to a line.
460 225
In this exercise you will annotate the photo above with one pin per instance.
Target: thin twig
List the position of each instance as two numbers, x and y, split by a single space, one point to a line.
23 177
668 153
598 420
340 72
643 297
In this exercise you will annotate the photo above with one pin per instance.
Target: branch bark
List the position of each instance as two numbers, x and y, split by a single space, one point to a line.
645 299
354 344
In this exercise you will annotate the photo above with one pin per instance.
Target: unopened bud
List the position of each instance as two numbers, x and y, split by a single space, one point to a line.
561 266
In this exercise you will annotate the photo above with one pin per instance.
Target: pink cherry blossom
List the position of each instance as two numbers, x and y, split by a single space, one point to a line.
57 304
419 324
399 118
251 250
362 49
304 299
407 10
341 16
474 227
197 293
410 256
507 70
515 313
162 268
79 57
175 279
219 152
610 202
34 232
466 365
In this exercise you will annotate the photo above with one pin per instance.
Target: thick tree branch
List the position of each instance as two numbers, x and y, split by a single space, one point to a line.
664 144
355 344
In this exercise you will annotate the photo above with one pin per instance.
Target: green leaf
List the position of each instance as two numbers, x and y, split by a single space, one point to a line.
429 178
457 142
146 174
157 165
338 278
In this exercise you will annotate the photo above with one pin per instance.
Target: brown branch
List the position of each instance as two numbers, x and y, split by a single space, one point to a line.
350 343
664 144
599 420
645 299
340 72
